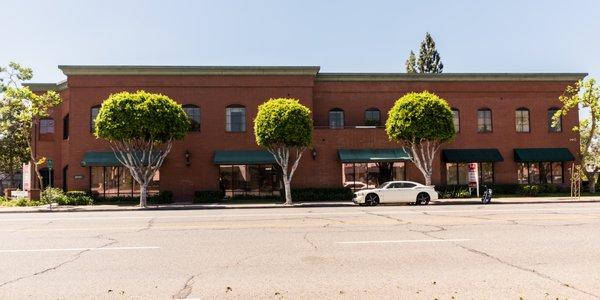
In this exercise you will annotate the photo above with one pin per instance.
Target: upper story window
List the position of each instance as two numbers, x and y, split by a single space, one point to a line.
336 118
558 127
522 119
235 116
372 117
484 120
456 119
94 111
47 126
193 113
66 127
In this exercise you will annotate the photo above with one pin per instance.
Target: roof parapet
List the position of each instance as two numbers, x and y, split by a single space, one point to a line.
188 70
44 87
450 77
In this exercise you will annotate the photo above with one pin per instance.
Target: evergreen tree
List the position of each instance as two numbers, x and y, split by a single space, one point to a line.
429 59
411 63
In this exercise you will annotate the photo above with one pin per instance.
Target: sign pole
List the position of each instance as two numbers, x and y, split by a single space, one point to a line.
473 176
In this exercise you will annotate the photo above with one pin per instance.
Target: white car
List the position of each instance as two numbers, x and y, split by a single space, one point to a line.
396 191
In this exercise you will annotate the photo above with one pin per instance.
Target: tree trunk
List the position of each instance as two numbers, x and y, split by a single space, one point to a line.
591 177
288 191
144 195
428 179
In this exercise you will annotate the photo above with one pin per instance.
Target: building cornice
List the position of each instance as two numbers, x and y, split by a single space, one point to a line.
44 87
450 77
189 70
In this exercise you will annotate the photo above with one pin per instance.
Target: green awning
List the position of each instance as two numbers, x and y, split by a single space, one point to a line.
105 158
543 154
471 155
372 155
243 157
92 159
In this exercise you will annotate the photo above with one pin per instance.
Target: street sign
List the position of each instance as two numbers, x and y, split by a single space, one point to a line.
50 164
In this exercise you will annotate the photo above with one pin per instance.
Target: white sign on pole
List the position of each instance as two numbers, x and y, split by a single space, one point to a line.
26 177
473 176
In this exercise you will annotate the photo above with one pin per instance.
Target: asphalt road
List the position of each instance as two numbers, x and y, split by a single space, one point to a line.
533 251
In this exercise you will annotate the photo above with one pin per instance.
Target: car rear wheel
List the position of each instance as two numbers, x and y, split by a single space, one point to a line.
423 199
372 200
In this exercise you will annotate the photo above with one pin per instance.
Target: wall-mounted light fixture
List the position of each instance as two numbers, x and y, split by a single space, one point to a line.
187 158
313 152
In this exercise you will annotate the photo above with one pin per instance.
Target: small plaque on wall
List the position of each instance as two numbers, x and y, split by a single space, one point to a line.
78 177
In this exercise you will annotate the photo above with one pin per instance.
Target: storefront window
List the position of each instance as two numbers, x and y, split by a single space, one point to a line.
458 173
543 172
257 180
370 175
117 181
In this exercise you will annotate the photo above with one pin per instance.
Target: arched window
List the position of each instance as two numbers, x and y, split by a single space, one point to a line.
558 127
193 113
372 117
456 119
336 118
235 116
46 126
93 114
484 120
522 119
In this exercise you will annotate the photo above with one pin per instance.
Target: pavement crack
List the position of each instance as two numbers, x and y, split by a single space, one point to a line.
186 290
400 221
530 270
59 265
309 241
148 225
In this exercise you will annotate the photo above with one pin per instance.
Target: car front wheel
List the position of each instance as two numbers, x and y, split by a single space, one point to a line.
423 199
372 200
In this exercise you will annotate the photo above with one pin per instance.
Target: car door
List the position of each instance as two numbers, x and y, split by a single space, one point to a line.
409 192
388 194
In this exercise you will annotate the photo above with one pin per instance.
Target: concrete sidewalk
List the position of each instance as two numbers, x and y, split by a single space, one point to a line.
184 206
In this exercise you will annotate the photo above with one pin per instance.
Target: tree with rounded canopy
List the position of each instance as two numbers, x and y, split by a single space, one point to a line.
283 126
141 128
422 122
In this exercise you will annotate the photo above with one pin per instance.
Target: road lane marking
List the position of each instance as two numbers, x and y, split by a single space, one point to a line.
308 214
77 249
403 241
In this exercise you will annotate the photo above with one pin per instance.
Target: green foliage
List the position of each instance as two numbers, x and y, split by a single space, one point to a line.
411 63
323 194
305 195
453 191
283 122
18 202
529 190
420 116
56 195
164 197
20 110
141 116
208 196
585 95
429 60
78 198
53 195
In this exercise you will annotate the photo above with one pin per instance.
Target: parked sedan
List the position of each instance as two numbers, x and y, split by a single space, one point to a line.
396 191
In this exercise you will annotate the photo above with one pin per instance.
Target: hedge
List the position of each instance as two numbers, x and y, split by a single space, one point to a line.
304 195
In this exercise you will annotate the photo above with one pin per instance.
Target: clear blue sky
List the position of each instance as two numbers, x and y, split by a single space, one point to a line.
339 36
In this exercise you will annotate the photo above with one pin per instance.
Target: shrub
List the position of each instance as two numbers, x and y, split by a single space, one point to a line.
53 195
208 196
78 198
453 191
164 197
529 190
322 194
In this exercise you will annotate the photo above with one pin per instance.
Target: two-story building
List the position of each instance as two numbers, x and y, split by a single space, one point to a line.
503 122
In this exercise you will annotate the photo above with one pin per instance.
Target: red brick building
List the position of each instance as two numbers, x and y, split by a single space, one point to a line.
502 122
